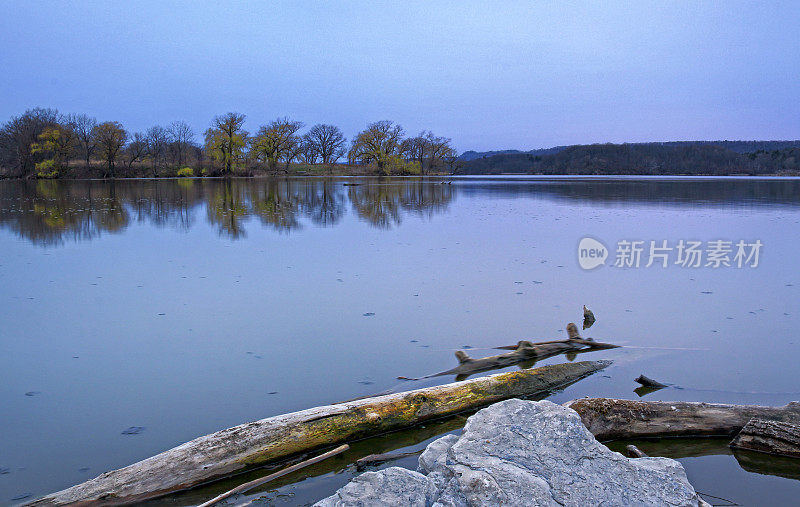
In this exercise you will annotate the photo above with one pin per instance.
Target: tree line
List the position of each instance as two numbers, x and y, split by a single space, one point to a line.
678 158
43 143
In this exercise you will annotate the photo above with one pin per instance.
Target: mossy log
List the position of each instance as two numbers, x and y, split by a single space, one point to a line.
611 419
236 449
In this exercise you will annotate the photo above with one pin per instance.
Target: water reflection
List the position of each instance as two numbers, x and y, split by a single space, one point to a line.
50 212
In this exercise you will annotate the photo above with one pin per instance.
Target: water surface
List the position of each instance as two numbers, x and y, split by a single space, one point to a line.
185 306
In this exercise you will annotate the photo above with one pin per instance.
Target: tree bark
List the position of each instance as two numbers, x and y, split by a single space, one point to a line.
610 419
771 437
236 449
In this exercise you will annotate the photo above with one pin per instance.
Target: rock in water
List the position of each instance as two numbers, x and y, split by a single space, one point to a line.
390 486
522 453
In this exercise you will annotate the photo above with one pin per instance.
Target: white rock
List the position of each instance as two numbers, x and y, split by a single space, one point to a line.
523 453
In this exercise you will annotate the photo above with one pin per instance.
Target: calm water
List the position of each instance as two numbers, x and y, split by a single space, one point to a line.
184 307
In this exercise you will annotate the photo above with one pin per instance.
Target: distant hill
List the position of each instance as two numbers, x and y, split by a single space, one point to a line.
671 158
472 155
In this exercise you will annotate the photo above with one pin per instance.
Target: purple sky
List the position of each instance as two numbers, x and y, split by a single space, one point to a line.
490 75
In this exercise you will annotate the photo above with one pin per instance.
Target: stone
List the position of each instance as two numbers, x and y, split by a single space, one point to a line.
523 453
390 486
435 453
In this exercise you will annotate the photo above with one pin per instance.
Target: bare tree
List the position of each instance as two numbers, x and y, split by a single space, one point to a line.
328 140
308 150
136 149
182 136
83 125
157 138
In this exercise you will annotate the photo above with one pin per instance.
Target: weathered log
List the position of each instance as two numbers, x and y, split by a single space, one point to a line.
377 459
610 419
574 342
589 344
236 449
771 437
523 352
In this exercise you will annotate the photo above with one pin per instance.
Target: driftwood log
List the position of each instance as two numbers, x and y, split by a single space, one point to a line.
611 419
525 354
236 449
771 437
377 459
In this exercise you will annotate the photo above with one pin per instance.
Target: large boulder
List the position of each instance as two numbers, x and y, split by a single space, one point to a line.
522 453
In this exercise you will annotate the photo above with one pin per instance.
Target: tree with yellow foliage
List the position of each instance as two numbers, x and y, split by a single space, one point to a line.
226 140
277 141
378 144
109 138
55 143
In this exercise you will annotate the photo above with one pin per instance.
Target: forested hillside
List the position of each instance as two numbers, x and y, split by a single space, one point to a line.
676 158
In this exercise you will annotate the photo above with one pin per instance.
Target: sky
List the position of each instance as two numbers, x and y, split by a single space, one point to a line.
489 75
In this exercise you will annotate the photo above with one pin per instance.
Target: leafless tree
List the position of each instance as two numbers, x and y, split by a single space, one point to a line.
136 149
181 135
83 125
309 151
328 140
157 139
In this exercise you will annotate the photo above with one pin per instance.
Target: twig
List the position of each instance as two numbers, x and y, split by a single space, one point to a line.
258 482
730 502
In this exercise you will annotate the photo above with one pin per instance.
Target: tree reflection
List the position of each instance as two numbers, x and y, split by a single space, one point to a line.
48 212
383 204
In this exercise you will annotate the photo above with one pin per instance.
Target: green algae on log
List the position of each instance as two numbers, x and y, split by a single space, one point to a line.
236 449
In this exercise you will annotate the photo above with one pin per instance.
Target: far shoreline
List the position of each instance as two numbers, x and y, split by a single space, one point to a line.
422 177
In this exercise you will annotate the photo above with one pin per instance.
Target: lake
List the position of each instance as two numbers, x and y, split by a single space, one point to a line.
138 314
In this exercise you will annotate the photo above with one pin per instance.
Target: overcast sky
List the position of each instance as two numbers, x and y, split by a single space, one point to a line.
490 75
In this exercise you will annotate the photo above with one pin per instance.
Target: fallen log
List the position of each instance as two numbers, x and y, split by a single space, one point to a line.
770 437
610 419
524 353
553 347
237 449
377 459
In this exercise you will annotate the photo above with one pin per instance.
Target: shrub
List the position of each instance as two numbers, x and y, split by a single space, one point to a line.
185 172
